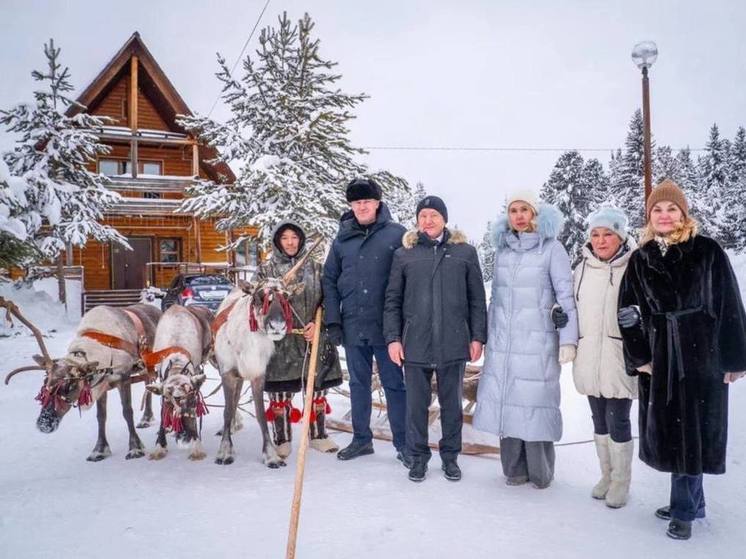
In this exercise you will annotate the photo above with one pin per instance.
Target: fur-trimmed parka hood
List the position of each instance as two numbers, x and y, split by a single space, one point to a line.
452 236
549 224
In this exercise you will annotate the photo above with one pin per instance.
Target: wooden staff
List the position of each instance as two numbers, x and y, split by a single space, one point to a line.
301 463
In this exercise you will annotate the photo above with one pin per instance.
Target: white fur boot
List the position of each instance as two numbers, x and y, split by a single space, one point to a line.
621 473
602 449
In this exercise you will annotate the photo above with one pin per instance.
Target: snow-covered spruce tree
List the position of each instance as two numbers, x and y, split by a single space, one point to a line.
567 189
398 197
628 184
665 165
289 130
15 248
64 201
734 198
486 253
714 173
419 192
595 182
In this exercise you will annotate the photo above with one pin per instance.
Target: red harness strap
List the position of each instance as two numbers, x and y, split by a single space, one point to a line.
151 358
112 342
221 319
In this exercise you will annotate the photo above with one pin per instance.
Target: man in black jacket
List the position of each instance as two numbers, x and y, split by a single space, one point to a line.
354 282
435 320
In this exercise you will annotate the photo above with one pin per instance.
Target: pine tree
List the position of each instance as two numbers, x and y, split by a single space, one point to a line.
51 156
714 185
665 165
419 191
567 189
398 197
628 184
289 131
734 198
486 253
595 182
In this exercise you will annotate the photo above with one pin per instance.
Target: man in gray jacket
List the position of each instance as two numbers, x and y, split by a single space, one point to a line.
434 321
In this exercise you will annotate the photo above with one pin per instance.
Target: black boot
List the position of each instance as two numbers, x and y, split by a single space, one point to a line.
418 470
451 471
679 529
664 513
354 450
280 424
404 458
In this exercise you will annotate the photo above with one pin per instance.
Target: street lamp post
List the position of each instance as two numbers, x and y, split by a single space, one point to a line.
643 55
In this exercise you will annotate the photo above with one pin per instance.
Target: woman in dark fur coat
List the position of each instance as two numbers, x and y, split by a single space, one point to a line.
684 329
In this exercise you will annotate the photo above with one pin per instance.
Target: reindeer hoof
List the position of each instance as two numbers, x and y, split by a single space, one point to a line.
197 456
224 461
158 454
145 422
97 456
135 453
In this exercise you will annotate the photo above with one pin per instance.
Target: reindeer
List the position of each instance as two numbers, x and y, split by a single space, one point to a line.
182 344
105 353
250 319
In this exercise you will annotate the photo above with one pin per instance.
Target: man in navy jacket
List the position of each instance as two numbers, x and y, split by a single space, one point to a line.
355 276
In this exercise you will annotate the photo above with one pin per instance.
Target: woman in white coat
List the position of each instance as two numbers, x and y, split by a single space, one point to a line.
519 390
598 369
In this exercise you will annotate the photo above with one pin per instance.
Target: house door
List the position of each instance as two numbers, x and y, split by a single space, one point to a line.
128 270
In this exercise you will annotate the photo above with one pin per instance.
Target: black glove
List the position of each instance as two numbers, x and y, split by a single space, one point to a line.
334 332
628 317
559 317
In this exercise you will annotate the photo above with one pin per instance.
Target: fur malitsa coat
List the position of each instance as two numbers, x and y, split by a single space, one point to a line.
693 331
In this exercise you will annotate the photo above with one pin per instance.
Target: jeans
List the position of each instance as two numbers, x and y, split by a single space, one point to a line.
360 366
687 497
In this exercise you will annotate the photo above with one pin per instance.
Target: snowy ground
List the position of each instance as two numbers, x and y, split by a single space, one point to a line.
55 504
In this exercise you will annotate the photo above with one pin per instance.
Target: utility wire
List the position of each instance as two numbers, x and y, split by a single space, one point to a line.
507 149
246 44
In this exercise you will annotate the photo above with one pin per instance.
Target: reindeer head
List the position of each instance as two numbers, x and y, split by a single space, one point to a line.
70 382
269 308
182 400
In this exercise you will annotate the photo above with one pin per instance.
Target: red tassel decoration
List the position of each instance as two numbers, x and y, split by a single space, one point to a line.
201 408
166 413
43 396
176 422
85 398
253 325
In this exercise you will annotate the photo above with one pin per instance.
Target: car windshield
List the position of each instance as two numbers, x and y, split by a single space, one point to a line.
208 280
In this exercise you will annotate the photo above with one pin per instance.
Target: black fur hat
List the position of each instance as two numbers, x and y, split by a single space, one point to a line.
363 189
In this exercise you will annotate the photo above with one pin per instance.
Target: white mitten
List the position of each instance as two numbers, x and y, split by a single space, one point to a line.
566 354
647 369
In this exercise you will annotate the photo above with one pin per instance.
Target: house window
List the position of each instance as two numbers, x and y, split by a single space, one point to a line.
152 195
109 167
144 167
169 250
151 168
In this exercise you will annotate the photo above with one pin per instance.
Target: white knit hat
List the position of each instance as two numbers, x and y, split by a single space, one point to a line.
527 196
612 218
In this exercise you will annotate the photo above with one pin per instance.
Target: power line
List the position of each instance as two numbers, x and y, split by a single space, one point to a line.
507 149
238 59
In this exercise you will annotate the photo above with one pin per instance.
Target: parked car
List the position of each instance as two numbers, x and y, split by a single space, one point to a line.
205 290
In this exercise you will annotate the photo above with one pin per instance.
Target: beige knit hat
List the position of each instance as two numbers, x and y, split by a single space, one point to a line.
524 196
667 191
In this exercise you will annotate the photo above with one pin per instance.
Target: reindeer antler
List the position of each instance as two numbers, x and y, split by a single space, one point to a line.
12 309
14 372
290 274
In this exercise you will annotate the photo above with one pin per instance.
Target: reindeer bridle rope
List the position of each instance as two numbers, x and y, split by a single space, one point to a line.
171 414
47 394
287 311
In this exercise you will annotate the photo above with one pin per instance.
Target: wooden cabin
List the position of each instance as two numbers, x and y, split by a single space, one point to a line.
151 163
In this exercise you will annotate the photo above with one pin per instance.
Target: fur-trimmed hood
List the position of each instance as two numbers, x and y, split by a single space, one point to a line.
549 224
453 237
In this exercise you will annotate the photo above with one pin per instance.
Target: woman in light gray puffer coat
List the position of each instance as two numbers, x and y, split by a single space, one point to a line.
519 390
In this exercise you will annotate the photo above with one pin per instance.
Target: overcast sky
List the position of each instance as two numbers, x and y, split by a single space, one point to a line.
491 73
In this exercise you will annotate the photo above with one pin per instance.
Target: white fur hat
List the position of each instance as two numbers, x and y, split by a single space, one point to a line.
610 217
524 196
